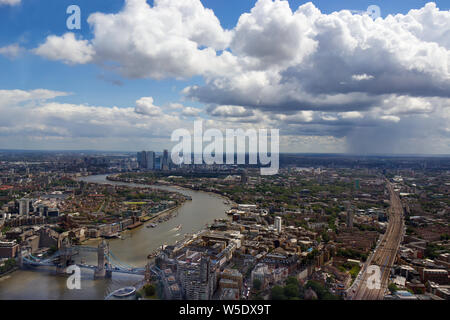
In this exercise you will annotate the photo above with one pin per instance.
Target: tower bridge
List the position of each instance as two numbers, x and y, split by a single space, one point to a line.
107 262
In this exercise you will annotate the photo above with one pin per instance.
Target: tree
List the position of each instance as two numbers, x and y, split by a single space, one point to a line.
291 290
292 280
430 251
257 297
320 290
257 284
392 287
301 292
277 293
316 287
329 296
325 237
5 229
149 290
9 264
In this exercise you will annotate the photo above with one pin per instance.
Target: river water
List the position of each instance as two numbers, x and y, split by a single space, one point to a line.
42 283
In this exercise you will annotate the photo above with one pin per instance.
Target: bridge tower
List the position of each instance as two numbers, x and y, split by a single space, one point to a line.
65 258
20 258
148 274
103 263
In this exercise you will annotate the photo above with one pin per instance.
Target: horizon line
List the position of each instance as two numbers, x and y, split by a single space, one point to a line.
281 153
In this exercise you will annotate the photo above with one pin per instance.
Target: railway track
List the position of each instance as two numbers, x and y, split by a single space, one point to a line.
384 256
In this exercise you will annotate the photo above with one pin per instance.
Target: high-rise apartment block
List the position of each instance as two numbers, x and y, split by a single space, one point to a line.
278 224
196 275
24 207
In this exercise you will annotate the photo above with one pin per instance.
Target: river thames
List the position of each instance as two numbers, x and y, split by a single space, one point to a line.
42 283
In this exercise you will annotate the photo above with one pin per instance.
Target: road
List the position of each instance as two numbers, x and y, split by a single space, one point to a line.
385 254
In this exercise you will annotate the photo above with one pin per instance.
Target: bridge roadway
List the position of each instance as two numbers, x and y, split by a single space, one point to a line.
385 254
113 264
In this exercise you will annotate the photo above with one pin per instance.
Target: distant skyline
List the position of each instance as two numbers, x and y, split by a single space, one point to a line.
323 72
160 152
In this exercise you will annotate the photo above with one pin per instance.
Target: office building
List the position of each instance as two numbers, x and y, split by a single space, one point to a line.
150 160
142 159
24 207
439 276
42 211
146 160
8 249
261 273
278 225
158 163
234 279
165 161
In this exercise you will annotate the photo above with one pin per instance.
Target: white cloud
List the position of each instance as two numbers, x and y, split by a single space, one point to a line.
230 111
299 117
351 115
428 24
404 105
273 35
335 75
10 2
171 39
272 51
11 51
67 49
190 111
145 106
351 57
390 118
31 115
13 97
361 77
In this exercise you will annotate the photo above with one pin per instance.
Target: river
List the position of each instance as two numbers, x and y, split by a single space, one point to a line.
43 284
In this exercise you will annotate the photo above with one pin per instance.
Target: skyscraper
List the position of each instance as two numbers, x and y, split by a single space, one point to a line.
278 224
142 159
165 160
150 157
158 163
196 275
146 160
24 207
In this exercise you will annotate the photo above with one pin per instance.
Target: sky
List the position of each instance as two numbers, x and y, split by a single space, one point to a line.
330 76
